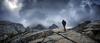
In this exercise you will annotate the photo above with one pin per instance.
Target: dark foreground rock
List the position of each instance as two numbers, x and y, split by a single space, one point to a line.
91 29
9 29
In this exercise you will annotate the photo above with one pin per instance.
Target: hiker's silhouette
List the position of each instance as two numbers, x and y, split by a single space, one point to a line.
64 24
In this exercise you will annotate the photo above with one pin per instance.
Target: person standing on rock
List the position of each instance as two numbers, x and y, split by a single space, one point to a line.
64 24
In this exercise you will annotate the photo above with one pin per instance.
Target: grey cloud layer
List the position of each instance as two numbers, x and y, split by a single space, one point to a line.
48 12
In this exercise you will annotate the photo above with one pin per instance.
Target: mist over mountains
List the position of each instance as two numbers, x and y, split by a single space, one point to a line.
8 27
48 12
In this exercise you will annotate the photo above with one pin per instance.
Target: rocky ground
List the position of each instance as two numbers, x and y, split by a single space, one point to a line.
86 32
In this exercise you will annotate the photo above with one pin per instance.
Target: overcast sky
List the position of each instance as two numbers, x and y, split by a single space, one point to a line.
48 12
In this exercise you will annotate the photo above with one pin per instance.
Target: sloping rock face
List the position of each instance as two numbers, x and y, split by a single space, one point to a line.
91 29
66 37
9 29
79 28
87 32
52 36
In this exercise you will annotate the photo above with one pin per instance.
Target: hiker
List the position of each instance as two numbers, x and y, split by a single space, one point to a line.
64 24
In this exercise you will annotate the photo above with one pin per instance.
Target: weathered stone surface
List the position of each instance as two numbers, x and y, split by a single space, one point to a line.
87 32
55 38
93 30
9 29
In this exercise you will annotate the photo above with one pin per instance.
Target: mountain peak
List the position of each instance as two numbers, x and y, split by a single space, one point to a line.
53 26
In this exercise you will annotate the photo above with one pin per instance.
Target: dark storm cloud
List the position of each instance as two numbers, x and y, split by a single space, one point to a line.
42 9
51 4
3 12
96 1
48 12
34 15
